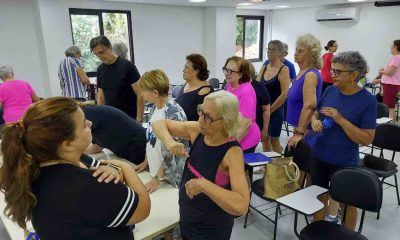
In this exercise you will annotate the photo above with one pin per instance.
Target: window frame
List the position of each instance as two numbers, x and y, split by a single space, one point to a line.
99 13
261 43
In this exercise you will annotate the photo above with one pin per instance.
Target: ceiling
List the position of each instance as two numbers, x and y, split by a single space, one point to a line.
265 5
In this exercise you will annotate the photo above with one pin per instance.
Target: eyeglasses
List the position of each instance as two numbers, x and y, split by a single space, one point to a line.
337 72
228 72
272 49
207 118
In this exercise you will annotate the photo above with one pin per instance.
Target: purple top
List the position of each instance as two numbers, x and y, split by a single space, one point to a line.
295 97
247 107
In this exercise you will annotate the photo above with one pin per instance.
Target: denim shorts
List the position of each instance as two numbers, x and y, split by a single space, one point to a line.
275 123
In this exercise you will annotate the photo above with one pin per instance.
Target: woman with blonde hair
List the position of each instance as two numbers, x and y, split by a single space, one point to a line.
214 187
43 181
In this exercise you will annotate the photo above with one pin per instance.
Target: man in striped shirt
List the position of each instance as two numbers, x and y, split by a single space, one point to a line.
72 75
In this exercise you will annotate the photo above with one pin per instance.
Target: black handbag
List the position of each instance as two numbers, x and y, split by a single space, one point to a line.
377 163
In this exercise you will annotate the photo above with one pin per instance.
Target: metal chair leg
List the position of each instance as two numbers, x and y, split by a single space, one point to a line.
397 189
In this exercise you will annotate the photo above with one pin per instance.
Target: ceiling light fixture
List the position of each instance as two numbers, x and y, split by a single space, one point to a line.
197 1
283 6
245 4
356 0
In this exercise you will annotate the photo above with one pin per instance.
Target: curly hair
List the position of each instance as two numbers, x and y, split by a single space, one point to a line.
314 47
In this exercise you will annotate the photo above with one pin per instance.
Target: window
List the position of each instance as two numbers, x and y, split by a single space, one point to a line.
249 37
89 23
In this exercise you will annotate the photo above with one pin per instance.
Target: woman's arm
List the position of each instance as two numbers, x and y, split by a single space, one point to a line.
245 125
284 81
389 71
260 73
35 98
235 201
356 134
165 130
266 116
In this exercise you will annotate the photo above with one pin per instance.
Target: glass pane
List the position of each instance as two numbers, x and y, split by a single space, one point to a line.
116 29
84 28
239 37
252 39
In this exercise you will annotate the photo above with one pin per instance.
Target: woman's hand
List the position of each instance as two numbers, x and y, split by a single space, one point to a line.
107 174
141 167
376 81
333 113
176 148
194 187
296 138
264 134
316 125
152 185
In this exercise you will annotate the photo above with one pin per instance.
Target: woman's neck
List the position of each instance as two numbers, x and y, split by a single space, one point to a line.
60 161
349 90
215 139
161 101
234 85
276 62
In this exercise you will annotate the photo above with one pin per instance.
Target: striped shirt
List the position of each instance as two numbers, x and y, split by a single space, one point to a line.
70 83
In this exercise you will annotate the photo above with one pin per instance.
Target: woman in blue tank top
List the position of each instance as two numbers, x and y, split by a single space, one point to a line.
214 188
306 89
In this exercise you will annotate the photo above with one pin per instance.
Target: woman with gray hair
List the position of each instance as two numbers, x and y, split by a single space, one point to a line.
15 95
120 49
214 186
352 112
72 75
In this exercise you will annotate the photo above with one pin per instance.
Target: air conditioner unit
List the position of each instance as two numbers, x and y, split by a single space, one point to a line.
351 14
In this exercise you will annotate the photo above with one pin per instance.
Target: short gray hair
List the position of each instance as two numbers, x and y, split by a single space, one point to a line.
354 61
277 44
120 49
6 71
228 108
314 46
72 51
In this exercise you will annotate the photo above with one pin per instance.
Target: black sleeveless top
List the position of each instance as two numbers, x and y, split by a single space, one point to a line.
273 85
201 210
190 100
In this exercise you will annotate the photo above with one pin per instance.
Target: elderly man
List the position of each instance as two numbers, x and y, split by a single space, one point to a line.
117 80
72 75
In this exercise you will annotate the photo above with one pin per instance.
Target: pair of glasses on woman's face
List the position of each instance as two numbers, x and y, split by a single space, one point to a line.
228 71
207 118
337 72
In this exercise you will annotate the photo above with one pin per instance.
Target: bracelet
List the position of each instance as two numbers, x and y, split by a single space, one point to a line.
299 133
159 178
119 169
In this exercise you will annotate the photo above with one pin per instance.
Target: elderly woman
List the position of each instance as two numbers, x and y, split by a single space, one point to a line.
195 74
214 186
120 49
275 77
72 75
45 148
331 47
154 85
353 110
15 95
238 73
306 88
390 79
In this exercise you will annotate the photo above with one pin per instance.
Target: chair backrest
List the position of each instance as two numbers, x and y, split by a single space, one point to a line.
302 155
176 91
357 187
214 82
387 137
382 110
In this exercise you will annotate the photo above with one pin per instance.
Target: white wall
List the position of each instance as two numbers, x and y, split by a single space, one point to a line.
20 44
372 35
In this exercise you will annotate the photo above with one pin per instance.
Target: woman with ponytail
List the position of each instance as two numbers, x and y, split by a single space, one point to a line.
43 181
331 47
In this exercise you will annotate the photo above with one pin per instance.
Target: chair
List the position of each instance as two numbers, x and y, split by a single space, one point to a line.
382 110
285 124
351 186
302 156
387 137
214 83
176 91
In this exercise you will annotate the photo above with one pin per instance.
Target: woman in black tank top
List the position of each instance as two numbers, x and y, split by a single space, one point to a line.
196 87
209 195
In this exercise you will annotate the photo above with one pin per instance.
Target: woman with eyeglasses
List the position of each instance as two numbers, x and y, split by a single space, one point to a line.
331 47
214 188
196 88
353 110
390 79
306 88
162 165
275 77
238 73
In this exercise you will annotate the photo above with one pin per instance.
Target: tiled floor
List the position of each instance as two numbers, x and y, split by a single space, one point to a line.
387 227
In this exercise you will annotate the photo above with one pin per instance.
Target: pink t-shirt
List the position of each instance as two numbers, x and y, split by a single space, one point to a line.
395 78
16 97
247 107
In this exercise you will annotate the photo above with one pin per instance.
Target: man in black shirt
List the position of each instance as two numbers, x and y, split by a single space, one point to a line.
113 129
117 80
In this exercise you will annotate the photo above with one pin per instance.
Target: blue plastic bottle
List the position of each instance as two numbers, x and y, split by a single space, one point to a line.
312 137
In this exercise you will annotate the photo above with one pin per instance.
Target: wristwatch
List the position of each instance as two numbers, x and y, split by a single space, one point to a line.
159 178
